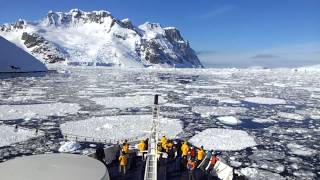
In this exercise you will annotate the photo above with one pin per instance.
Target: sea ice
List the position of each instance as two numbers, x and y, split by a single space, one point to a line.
176 105
8 135
301 150
226 100
291 116
120 127
263 100
10 112
223 139
303 174
127 102
258 174
230 120
206 111
69 146
260 120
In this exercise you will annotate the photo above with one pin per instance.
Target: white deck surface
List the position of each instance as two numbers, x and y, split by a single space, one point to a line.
53 167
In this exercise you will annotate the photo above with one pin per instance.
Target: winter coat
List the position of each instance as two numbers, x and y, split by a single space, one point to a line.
142 146
201 154
191 165
163 141
123 160
214 160
193 152
185 149
125 148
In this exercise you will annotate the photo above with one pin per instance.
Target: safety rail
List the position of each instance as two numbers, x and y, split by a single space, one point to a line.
79 138
151 163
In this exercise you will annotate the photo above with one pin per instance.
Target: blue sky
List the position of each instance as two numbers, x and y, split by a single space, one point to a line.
223 32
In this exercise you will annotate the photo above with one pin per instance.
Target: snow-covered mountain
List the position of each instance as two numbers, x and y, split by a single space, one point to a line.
98 38
14 59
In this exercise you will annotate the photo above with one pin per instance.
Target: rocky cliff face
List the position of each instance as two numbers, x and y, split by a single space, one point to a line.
98 38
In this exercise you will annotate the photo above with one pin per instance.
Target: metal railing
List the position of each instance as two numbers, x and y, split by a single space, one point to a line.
151 163
79 138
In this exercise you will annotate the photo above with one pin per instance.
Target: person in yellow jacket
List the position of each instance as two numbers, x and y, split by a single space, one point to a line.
142 148
200 155
123 161
185 150
163 141
169 146
125 148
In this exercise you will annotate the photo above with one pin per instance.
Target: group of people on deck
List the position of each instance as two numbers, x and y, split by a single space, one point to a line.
187 157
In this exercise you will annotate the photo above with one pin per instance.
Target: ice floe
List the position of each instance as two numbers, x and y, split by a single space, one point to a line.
230 120
291 116
127 102
226 100
260 120
120 127
9 135
69 146
176 105
206 111
300 150
223 139
11 112
303 174
258 174
265 101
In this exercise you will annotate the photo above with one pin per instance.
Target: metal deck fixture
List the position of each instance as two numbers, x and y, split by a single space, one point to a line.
151 162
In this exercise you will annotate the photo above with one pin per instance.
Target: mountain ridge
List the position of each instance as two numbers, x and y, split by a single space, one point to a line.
98 38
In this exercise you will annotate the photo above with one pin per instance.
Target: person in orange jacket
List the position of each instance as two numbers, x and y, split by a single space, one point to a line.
123 161
214 159
191 166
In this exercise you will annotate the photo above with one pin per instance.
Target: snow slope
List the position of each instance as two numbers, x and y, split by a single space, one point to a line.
15 59
98 38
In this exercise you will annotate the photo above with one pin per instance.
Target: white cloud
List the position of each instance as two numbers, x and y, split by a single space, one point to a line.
284 56
215 12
